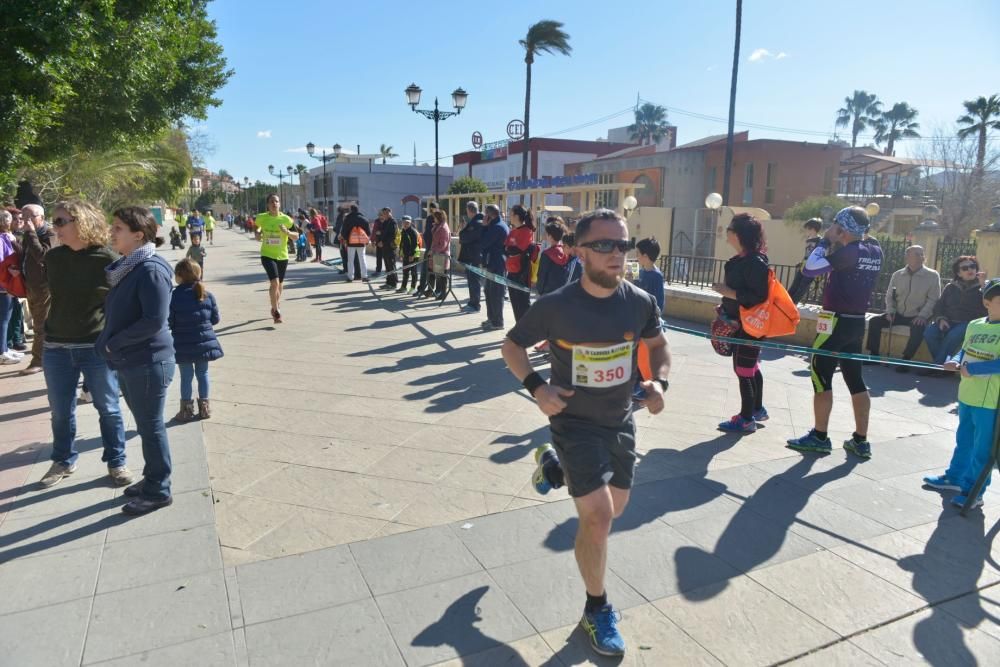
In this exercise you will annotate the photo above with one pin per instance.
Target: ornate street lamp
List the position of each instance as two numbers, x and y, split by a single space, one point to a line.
311 149
280 175
458 99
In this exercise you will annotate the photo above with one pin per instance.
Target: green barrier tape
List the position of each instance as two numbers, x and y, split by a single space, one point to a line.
800 349
495 278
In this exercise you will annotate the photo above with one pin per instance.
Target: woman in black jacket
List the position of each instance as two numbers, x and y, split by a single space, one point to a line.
746 285
961 302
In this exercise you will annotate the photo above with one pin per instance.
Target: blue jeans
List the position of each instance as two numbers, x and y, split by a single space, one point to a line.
474 288
189 371
6 308
145 390
63 367
944 344
973 445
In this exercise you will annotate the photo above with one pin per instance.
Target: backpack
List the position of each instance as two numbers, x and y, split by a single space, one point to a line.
534 254
776 316
399 236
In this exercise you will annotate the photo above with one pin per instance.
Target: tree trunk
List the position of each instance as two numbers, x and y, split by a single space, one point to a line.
525 153
981 153
855 130
727 170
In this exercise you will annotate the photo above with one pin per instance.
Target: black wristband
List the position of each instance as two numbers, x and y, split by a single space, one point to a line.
533 382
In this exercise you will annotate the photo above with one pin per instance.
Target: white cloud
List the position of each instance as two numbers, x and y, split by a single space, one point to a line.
264 134
710 68
760 55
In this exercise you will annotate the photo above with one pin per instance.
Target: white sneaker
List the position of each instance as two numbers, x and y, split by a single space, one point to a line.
10 357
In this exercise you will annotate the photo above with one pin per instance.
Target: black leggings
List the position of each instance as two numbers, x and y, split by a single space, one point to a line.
746 360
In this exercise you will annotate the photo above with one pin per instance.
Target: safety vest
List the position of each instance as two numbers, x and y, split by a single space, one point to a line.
982 343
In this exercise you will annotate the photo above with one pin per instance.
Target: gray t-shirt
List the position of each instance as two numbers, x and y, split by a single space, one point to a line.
592 345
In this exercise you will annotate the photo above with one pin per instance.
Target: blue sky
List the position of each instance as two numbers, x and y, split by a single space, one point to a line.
334 72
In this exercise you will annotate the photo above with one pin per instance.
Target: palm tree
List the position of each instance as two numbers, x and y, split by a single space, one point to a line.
543 37
386 152
980 120
859 111
896 124
650 124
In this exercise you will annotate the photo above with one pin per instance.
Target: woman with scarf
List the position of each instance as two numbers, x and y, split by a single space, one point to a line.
961 302
136 343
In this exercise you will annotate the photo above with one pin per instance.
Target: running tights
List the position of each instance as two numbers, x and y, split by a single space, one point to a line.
751 394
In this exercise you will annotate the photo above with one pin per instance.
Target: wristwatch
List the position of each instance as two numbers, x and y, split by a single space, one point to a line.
663 382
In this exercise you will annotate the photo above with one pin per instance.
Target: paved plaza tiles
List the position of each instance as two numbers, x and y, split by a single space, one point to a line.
361 496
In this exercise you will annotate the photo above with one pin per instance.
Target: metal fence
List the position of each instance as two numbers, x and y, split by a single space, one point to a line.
948 250
705 271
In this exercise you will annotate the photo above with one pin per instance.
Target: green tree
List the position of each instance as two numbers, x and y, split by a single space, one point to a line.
813 208
650 124
860 111
386 152
152 171
982 115
95 75
467 185
543 37
896 124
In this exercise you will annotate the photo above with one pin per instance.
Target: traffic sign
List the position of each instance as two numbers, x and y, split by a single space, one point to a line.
477 140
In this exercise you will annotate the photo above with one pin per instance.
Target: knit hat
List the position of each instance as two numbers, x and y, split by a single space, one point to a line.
991 287
854 219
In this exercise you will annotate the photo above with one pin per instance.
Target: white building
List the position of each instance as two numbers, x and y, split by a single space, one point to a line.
372 185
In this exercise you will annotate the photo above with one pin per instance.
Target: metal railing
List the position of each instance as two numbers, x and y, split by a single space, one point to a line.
692 271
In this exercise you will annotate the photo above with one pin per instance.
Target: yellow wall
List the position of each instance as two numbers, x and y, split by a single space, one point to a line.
654 221
785 241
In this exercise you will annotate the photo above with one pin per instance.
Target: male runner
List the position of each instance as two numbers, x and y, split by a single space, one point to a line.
853 261
593 327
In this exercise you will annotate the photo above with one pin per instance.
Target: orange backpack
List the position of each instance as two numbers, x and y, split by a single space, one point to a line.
776 316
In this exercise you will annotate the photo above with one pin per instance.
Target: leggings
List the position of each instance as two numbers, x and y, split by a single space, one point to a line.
746 364
519 302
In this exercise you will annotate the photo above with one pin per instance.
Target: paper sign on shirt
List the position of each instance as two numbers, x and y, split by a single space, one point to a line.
825 322
602 366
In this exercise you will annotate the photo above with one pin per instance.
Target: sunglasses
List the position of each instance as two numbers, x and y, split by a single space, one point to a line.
967 267
61 222
606 246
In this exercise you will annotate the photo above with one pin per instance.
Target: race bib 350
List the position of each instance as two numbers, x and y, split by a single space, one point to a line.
602 366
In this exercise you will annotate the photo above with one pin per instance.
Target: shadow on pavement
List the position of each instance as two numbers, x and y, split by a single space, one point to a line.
8 543
520 446
457 628
746 542
654 500
956 552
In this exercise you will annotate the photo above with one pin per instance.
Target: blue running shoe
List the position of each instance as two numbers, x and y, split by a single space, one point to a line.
602 628
760 415
959 501
737 424
548 462
810 442
941 483
862 449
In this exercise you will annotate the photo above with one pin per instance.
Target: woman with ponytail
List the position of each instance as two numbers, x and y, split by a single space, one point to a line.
193 313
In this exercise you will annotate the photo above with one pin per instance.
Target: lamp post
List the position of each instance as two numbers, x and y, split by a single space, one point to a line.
290 186
311 149
281 175
458 98
246 195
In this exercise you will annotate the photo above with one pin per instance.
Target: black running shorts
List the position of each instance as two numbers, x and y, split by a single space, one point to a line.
592 456
846 336
274 268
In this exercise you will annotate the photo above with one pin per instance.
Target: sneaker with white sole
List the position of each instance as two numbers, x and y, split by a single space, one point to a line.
57 472
120 476
941 483
10 357
959 501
